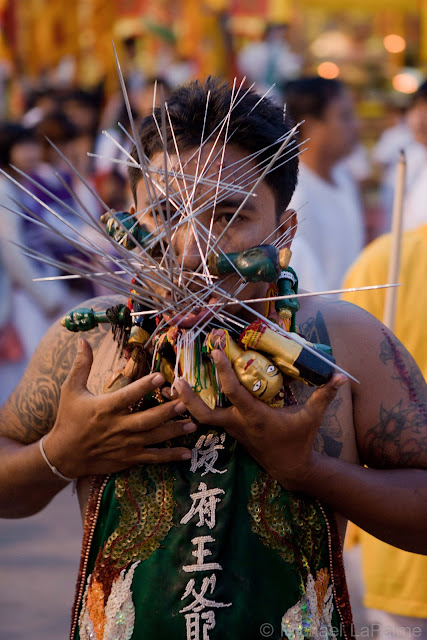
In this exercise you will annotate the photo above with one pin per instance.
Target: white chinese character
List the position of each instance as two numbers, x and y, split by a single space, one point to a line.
204 505
192 621
200 602
200 553
205 453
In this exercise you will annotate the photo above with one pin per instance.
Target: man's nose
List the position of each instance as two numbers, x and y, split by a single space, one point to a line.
189 249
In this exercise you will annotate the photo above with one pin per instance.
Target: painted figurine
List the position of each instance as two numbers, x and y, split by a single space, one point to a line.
259 375
263 263
290 356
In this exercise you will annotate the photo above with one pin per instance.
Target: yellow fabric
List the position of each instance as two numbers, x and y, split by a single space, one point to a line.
371 268
352 536
395 580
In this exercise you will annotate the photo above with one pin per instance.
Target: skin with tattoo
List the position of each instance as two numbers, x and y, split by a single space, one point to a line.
318 446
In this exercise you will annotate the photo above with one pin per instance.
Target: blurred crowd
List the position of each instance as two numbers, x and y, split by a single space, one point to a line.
51 178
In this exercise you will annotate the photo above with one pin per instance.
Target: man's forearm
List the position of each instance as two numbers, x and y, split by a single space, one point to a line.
389 504
26 483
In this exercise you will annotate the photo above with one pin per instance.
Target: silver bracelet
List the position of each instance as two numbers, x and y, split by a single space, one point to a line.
50 465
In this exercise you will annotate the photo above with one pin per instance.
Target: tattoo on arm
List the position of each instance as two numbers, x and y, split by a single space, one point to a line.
31 410
400 436
314 329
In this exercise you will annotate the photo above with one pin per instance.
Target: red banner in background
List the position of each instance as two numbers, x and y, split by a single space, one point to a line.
255 8
130 8
8 22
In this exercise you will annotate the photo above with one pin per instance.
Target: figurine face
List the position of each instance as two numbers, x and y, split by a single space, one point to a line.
256 220
258 375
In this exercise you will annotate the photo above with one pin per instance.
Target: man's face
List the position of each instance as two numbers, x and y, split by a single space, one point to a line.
255 222
417 120
339 127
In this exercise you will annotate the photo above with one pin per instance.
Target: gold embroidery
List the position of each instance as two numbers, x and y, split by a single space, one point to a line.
290 525
145 498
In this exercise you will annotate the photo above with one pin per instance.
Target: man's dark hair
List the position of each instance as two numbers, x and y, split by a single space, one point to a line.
12 133
254 125
419 95
310 96
55 126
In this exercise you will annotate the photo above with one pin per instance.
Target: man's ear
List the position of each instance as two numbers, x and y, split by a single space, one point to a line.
288 226
132 210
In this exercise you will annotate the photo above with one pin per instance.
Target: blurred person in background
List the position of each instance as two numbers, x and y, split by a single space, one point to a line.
26 307
395 580
385 154
270 61
409 135
83 109
40 103
415 211
331 228
56 132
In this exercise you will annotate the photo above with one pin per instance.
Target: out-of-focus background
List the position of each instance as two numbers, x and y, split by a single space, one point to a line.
58 79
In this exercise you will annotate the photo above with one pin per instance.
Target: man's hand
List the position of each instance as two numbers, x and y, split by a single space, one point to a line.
98 434
281 440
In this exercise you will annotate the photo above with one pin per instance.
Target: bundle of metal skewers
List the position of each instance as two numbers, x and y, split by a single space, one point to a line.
176 315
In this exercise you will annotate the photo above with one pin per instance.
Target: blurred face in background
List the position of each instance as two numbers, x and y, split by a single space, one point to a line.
417 120
339 127
26 155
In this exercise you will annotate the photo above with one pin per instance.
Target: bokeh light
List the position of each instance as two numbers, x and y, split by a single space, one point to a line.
328 70
394 43
407 81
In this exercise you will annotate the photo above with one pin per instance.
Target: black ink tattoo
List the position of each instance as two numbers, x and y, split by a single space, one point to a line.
31 409
314 329
399 439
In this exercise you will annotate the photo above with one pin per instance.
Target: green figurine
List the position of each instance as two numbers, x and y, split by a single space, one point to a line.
85 319
117 224
263 263
287 284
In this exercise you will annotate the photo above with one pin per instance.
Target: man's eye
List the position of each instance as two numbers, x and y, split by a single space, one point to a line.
271 368
225 218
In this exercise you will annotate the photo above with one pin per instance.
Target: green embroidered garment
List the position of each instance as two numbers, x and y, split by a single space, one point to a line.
207 549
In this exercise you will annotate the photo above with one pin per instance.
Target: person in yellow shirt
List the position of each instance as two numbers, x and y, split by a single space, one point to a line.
395 580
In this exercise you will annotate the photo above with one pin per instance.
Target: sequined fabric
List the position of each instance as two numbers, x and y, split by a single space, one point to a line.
292 526
217 548
311 617
146 504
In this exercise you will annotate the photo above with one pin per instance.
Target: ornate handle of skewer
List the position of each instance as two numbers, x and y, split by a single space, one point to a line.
122 227
263 263
85 318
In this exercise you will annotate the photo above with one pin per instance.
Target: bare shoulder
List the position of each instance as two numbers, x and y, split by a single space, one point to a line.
390 399
31 409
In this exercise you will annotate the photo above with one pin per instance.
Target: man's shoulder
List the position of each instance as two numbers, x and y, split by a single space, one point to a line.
99 303
31 409
340 324
336 313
